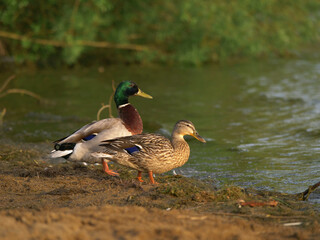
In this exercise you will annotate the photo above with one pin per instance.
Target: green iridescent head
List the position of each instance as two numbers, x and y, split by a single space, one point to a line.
125 90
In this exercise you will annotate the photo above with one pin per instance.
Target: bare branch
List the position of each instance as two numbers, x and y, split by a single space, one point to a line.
85 43
110 99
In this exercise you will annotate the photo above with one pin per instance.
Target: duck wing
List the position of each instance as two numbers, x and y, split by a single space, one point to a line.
90 129
144 152
142 143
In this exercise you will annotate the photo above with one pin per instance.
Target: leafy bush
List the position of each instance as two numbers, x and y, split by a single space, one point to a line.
186 31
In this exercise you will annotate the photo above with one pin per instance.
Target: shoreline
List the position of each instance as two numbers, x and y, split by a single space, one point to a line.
68 201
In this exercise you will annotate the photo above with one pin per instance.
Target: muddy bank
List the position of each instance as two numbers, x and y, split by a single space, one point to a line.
67 201
113 222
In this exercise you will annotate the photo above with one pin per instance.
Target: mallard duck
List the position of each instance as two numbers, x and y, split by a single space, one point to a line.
79 145
152 153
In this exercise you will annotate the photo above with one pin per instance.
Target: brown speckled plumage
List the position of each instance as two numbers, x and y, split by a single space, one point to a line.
153 152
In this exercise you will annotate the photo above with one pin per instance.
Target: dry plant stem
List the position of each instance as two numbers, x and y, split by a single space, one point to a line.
17 90
108 105
111 97
2 115
113 87
85 43
100 110
110 109
5 84
22 91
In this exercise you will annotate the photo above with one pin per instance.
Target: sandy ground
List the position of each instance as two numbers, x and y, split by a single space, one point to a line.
114 222
67 201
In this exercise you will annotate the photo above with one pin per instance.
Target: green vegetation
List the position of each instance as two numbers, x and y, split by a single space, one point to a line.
185 32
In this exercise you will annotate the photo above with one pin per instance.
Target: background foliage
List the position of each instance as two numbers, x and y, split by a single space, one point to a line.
182 31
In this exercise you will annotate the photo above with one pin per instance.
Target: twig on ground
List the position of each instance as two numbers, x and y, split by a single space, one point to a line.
271 203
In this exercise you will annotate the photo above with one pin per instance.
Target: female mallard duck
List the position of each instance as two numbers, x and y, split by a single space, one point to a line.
151 153
79 145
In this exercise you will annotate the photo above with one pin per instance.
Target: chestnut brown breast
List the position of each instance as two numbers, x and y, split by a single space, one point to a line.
131 118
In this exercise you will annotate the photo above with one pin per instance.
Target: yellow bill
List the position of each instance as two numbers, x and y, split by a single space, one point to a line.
143 94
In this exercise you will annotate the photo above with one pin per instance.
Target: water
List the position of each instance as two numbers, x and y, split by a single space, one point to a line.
261 120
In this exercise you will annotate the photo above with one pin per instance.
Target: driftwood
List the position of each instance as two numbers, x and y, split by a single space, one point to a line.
305 194
85 43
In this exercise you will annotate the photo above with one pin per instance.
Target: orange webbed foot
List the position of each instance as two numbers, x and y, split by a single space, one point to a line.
107 170
111 173
139 177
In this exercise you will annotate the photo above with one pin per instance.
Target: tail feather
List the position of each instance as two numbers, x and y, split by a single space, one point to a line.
64 146
65 154
63 150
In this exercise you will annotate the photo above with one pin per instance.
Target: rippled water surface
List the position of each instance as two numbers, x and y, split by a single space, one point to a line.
261 120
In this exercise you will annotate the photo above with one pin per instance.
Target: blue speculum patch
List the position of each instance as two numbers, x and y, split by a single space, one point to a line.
89 137
132 149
